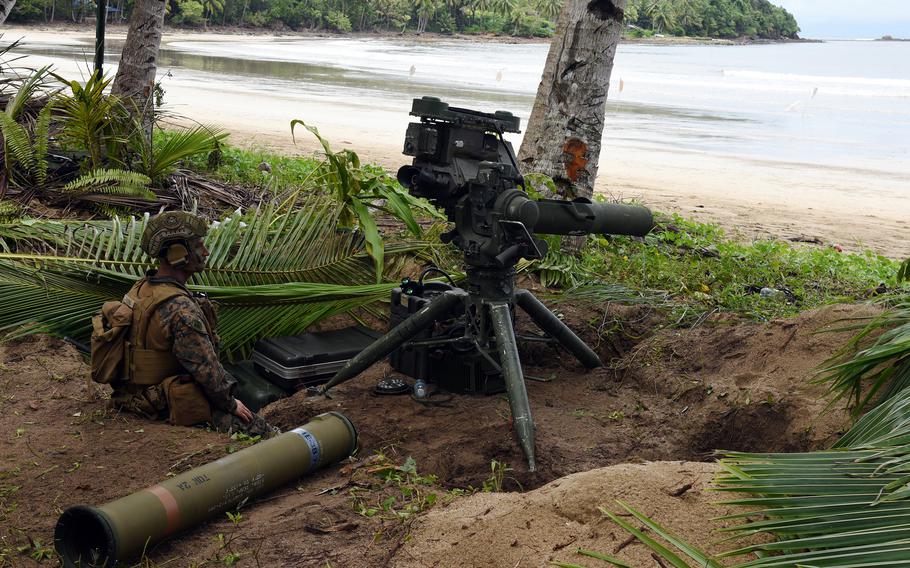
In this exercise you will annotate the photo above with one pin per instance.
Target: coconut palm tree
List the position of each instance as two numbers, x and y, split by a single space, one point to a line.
135 80
662 14
503 7
425 10
6 6
549 8
574 84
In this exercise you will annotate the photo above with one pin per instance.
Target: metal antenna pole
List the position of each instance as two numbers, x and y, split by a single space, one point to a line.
100 21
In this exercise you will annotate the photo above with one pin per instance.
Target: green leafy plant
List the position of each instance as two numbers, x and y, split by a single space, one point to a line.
26 91
393 491
111 187
694 269
499 472
360 191
37 550
93 121
160 158
25 153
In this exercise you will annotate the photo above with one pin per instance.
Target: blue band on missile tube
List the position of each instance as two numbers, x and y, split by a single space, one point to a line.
313 443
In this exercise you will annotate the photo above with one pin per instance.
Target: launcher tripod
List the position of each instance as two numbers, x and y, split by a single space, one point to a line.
489 302
463 164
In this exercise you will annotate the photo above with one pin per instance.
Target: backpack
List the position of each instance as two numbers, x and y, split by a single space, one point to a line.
111 332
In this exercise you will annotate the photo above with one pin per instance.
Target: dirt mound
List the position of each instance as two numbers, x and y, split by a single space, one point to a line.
552 522
677 395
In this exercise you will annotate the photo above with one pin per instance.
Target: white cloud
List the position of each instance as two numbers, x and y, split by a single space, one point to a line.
845 18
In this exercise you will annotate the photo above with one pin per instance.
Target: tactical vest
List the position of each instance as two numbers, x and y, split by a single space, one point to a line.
149 352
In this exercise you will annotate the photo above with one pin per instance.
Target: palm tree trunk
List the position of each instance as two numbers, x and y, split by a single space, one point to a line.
563 136
6 6
135 80
564 132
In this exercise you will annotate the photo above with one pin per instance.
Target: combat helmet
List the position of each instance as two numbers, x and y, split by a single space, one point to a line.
168 227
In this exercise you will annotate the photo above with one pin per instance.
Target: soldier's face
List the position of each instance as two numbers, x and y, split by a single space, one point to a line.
198 256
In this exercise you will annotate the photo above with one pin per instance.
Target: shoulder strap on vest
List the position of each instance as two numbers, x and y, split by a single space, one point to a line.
148 297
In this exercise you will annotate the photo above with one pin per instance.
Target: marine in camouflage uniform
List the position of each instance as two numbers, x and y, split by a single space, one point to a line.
183 324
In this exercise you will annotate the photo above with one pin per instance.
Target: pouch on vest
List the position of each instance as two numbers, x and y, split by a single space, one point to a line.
110 331
186 401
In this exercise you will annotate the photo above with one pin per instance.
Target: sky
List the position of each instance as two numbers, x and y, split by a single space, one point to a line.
850 18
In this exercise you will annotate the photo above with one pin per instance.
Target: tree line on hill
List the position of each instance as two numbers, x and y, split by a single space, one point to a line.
527 18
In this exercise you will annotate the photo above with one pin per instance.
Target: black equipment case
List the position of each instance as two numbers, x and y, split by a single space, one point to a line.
299 361
454 367
253 389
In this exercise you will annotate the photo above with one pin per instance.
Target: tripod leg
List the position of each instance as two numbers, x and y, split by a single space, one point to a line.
397 336
515 382
546 321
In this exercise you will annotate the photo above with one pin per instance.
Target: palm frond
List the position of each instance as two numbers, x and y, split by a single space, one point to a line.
120 183
161 160
275 272
867 373
703 559
26 91
9 210
17 143
41 142
91 119
903 273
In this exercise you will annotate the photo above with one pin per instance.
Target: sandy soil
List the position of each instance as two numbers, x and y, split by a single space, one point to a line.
677 395
848 207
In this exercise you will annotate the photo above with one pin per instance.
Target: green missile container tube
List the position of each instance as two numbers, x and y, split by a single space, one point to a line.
112 533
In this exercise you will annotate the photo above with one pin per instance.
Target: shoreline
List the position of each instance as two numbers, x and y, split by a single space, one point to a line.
851 208
428 37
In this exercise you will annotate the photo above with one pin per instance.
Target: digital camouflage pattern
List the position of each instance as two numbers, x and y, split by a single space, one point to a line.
168 227
188 324
197 351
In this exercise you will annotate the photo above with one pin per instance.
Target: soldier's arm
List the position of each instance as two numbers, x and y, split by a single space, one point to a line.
195 351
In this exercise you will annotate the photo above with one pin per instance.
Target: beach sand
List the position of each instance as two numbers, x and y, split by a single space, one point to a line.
848 207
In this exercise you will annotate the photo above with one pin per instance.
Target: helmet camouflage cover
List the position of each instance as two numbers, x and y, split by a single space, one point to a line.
171 226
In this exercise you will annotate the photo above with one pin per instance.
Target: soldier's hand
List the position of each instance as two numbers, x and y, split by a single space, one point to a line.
242 412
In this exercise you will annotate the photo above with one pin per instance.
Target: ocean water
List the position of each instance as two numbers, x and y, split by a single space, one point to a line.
839 104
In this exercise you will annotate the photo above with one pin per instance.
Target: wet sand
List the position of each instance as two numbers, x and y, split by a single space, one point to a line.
848 207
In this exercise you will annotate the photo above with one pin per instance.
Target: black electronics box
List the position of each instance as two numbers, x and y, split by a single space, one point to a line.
252 388
300 361
454 367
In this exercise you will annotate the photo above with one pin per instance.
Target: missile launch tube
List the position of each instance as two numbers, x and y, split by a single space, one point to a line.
103 536
579 217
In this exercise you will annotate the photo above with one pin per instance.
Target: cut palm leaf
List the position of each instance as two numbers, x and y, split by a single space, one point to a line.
275 272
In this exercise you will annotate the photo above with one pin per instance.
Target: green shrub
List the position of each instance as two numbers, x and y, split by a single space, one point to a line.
337 21
189 13
27 11
445 23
